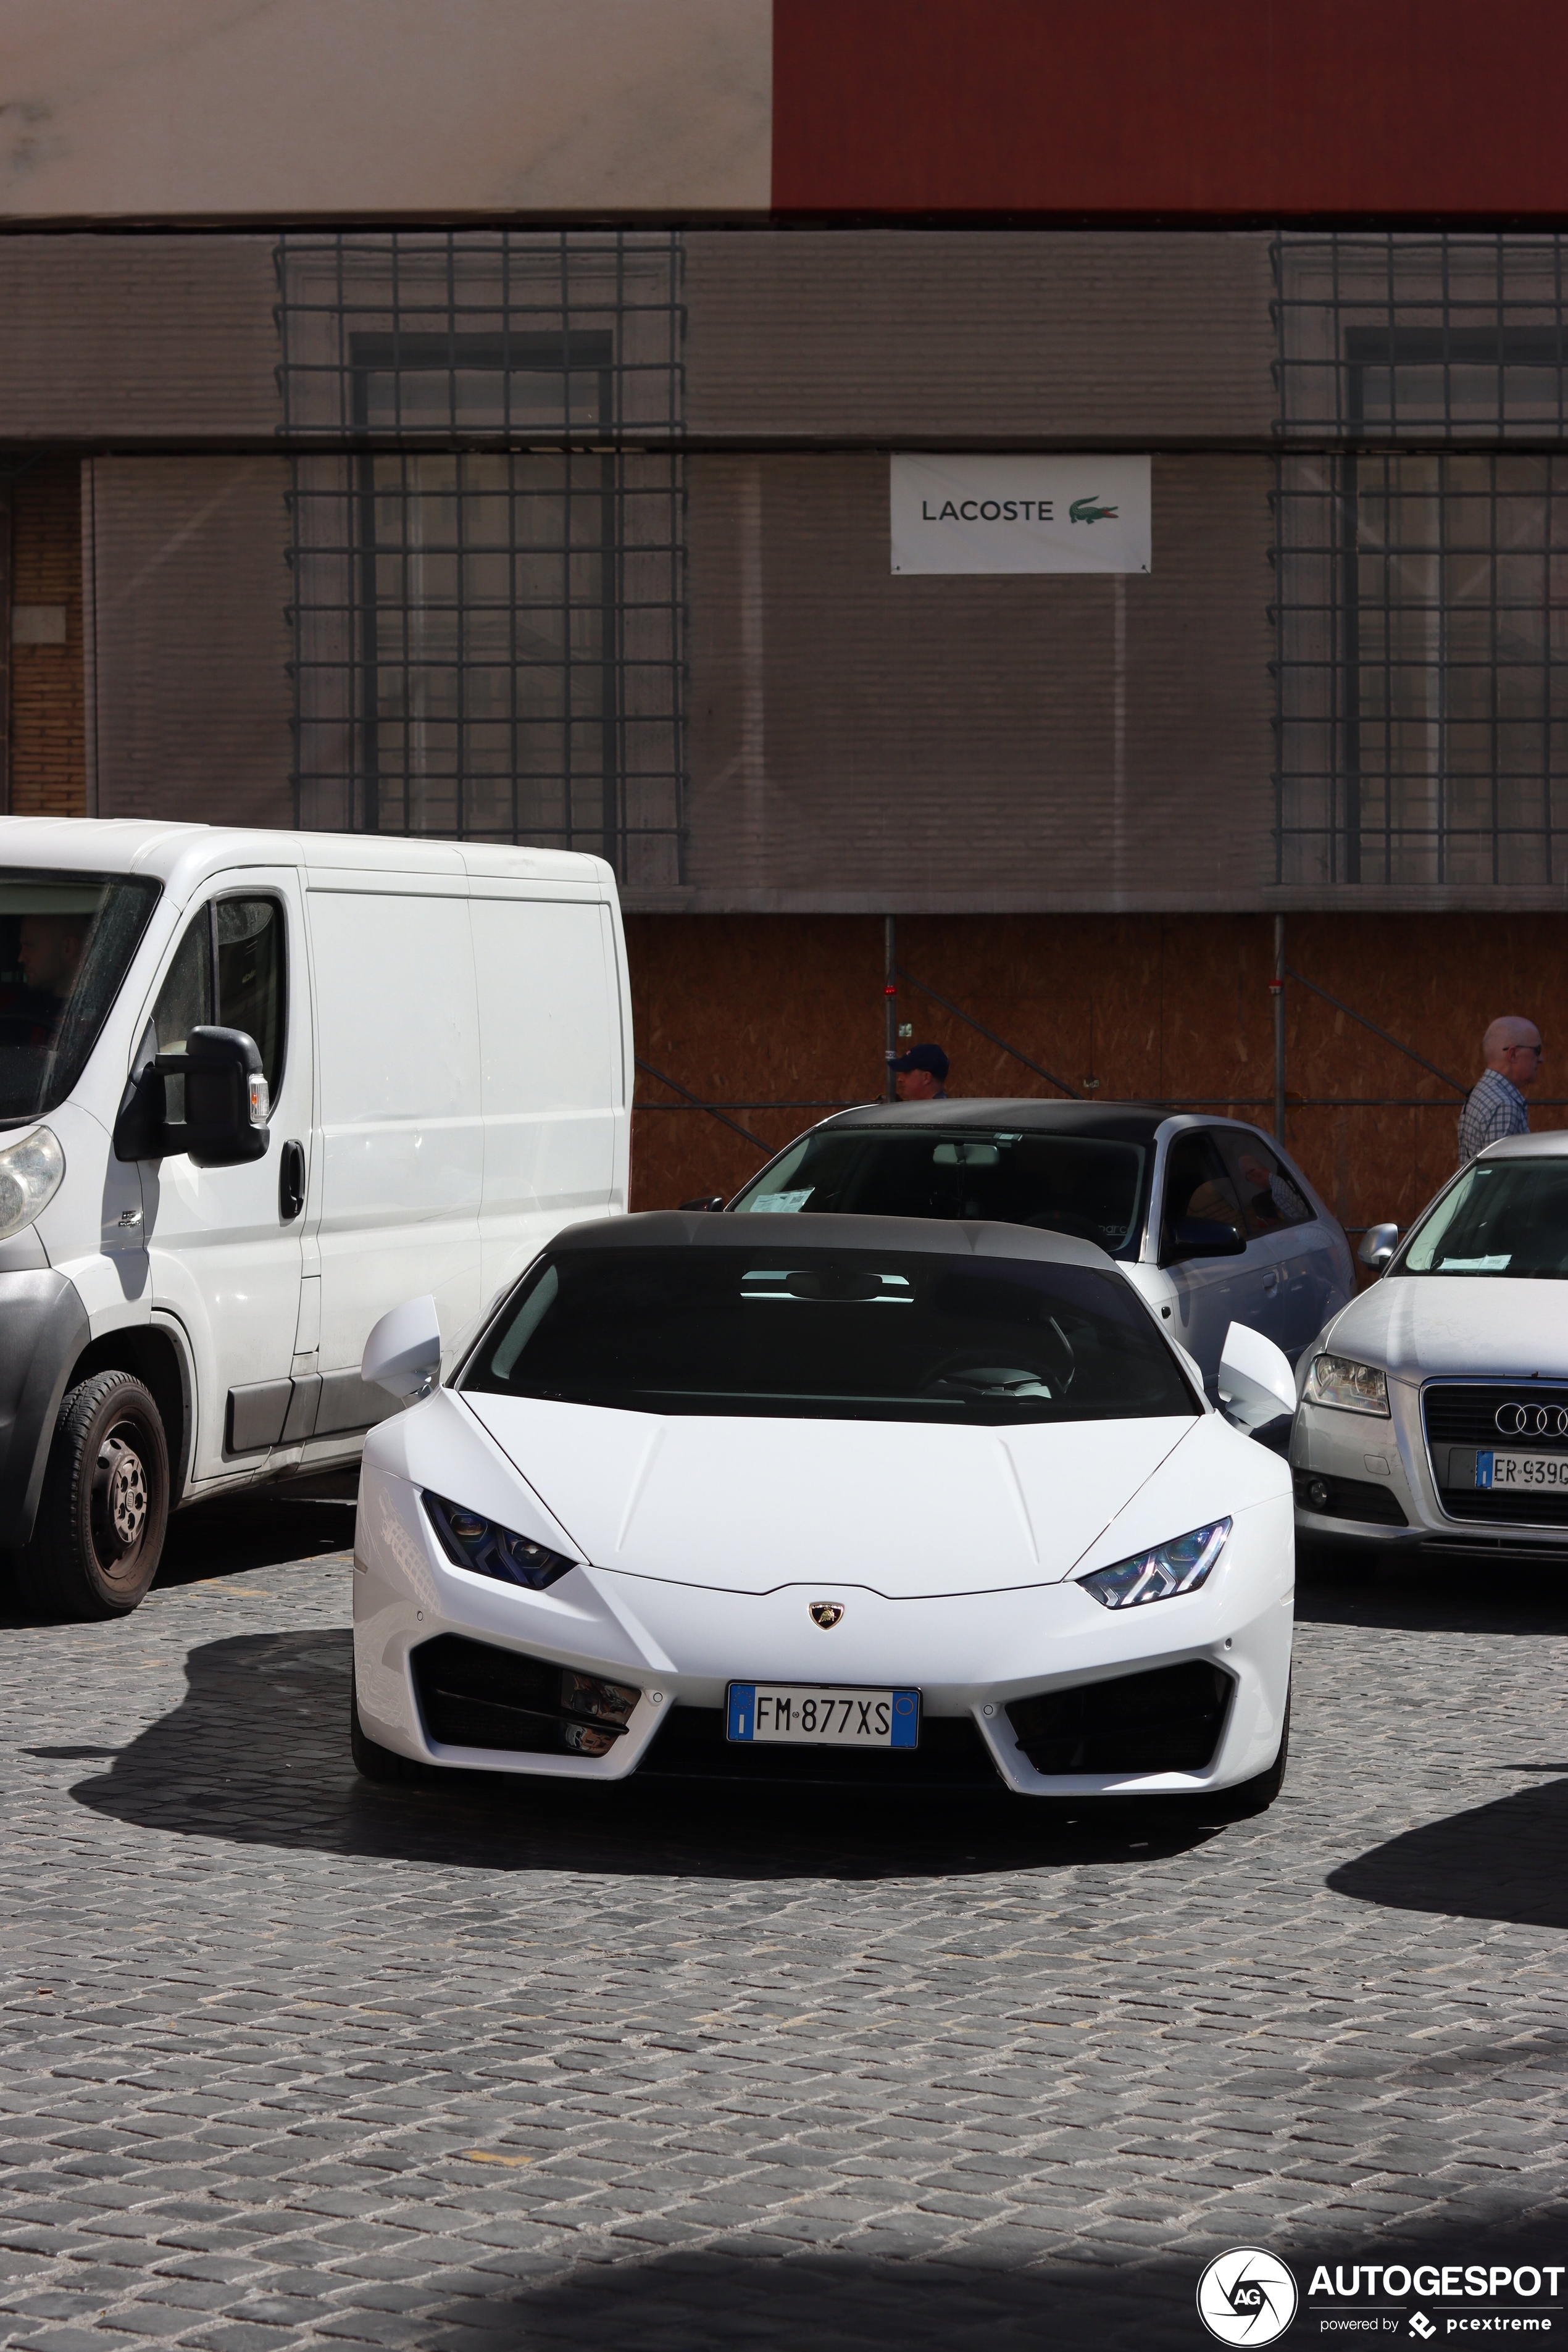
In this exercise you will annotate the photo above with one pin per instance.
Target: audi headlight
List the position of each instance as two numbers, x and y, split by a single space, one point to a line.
30 1174
1354 1387
1180 1566
492 1550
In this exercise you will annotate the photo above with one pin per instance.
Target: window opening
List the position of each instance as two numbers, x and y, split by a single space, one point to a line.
231 957
1197 1186
489 573
1272 1200
1421 552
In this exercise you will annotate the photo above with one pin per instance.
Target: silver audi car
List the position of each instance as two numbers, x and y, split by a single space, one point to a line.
1433 1408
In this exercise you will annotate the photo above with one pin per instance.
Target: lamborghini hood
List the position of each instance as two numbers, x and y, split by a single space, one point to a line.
746 1506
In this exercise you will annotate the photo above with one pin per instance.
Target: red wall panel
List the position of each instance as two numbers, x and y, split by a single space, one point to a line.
1205 107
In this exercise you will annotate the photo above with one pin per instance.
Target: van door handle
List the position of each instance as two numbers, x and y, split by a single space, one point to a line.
1270 1280
290 1181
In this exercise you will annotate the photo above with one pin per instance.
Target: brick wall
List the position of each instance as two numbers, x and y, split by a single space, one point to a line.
47 763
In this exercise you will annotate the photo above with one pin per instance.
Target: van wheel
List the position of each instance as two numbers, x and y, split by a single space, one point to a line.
105 1505
372 1760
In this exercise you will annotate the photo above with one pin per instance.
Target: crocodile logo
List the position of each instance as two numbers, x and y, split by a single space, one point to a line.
1087 511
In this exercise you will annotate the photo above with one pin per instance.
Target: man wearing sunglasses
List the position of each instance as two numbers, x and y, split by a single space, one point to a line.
1495 1106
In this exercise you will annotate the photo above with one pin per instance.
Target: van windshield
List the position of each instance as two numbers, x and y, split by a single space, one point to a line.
1088 1185
66 944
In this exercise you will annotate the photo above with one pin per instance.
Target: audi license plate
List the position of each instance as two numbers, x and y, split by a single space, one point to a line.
1537 1472
809 1715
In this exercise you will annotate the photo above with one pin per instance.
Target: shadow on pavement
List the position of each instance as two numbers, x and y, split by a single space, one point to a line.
834 2301
1503 1861
233 1535
271 1526
257 1752
1107 2297
1430 1593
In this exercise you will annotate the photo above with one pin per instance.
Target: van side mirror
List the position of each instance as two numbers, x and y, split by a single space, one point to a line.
226 1099
1203 1238
1377 1246
211 1101
403 1353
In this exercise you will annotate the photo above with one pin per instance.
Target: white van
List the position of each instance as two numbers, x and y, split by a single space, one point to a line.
256 1089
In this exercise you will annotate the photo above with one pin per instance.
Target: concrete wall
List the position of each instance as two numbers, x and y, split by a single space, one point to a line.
175 109
857 739
193 696
1021 337
165 340
45 768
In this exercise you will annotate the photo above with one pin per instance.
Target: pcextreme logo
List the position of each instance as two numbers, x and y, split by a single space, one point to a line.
1089 510
1246 2296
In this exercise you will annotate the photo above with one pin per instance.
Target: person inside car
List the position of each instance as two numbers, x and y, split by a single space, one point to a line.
50 950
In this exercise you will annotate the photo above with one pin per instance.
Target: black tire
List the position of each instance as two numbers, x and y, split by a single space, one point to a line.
372 1760
1252 1797
105 1505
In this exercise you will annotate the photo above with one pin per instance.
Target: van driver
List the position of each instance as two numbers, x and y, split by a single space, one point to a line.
50 950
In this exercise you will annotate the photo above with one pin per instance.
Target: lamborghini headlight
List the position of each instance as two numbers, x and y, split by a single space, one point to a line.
488 1550
1354 1387
1180 1566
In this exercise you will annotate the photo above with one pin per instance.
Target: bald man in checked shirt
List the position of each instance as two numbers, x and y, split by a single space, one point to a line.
1495 1106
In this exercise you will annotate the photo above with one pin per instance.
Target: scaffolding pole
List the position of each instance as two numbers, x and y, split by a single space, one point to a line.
1276 989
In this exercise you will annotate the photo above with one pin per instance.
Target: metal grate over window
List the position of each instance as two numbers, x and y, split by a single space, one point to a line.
487 538
1421 552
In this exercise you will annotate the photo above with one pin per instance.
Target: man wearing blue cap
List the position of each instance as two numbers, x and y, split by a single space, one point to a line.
921 1075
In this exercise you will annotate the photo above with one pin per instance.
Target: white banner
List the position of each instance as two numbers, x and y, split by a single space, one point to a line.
1021 514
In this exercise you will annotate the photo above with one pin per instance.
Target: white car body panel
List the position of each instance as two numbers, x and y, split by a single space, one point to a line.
654 1497
458 1074
702 1541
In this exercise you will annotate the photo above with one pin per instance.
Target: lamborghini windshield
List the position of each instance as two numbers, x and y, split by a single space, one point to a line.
841 1334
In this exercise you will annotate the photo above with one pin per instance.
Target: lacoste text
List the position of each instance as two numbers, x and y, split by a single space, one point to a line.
990 510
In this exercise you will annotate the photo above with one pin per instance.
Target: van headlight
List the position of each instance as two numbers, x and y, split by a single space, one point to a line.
1179 1565
30 1176
1352 1387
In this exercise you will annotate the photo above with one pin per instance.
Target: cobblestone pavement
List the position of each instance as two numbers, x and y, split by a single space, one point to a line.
288 2060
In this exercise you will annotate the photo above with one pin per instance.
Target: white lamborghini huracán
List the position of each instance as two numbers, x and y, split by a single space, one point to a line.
881 1502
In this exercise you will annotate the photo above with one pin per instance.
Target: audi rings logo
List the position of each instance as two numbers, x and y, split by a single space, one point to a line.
1531 1420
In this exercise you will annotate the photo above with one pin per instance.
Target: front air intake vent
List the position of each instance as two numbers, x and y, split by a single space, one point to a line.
474 1694
1169 1720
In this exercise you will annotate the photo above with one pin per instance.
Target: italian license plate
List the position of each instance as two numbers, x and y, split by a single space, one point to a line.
1521 1473
809 1715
